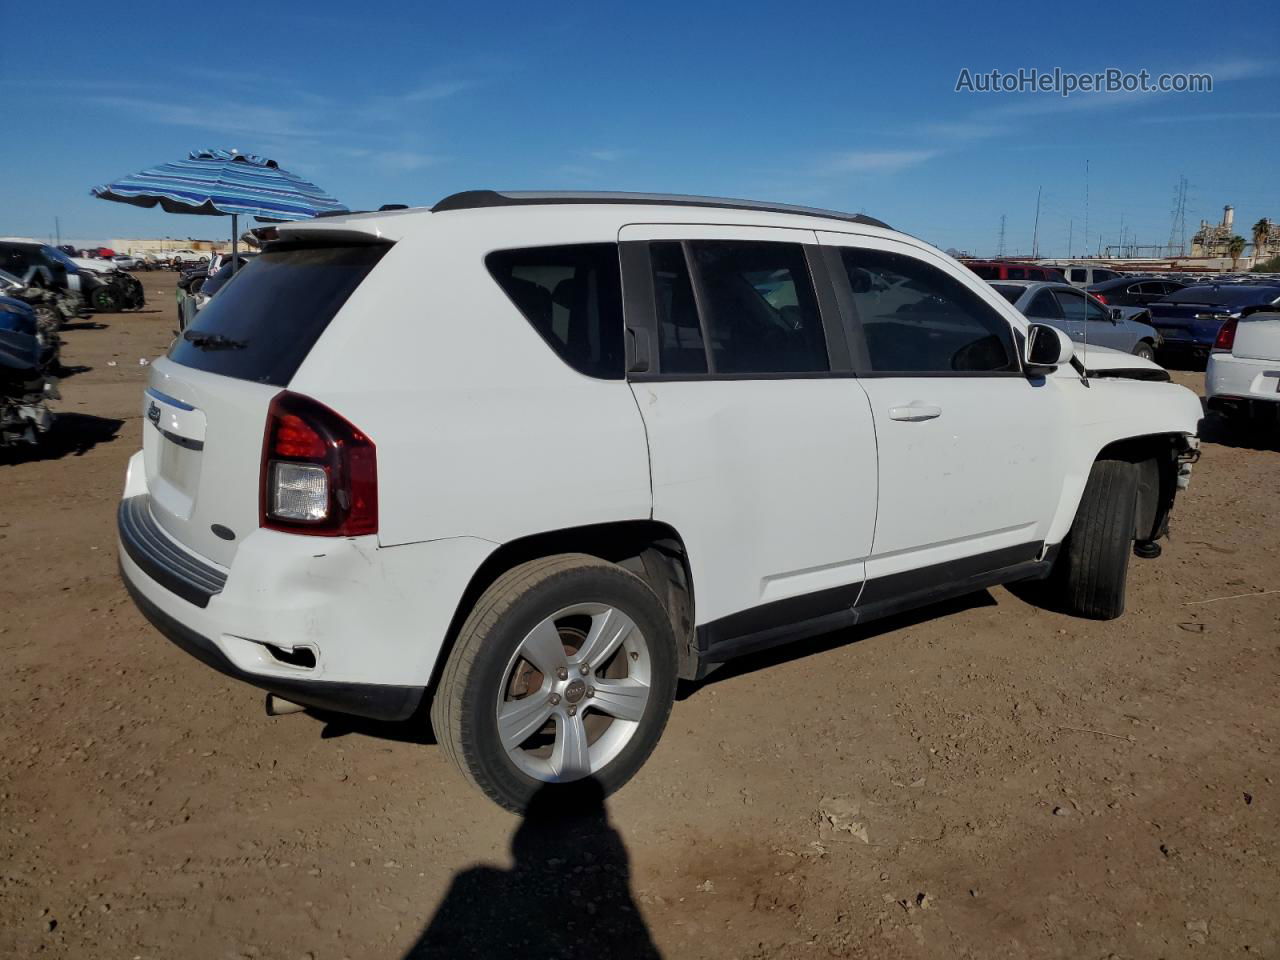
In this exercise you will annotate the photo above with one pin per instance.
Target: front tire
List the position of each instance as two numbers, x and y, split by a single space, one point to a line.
104 300
1094 563
564 670
1145 350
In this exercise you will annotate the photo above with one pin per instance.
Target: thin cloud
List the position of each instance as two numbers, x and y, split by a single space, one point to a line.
1210 117
878 161
442 90
238 119
404 161
606 156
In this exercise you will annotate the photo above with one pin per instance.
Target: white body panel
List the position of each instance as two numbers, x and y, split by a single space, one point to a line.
978 471
724 456
777 487
370 614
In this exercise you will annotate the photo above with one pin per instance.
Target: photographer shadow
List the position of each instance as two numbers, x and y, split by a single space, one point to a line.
568 893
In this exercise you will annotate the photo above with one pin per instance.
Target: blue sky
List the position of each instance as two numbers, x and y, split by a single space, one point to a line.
842 105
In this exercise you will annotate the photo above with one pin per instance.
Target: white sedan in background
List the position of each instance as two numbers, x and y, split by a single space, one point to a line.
1242 379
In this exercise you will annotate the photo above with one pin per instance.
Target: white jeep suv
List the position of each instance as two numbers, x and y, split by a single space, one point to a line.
527 459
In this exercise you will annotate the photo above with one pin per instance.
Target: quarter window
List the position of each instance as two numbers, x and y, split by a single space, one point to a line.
917 319
1079 275
1044 307
572 295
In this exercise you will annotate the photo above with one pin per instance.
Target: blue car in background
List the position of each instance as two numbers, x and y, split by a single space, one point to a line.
1189 320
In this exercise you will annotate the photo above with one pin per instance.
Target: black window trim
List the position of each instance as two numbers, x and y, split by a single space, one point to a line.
839 278
639 309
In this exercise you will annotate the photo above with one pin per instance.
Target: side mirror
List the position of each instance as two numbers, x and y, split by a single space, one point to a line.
1047 349
1117 314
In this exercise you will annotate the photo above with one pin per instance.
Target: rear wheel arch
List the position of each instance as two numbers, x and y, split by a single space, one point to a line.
651 550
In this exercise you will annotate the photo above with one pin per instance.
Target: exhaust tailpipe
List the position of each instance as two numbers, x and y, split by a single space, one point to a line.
278 706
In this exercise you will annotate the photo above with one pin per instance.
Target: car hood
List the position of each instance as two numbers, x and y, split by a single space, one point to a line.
1106 361
96 266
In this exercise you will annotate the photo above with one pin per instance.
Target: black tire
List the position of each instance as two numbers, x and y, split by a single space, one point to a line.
48 319
104 300
464 711
1145 350
1094 563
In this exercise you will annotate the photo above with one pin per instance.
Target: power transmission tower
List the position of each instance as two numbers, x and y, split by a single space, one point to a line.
1178 225
1000 242
1035 232
1071 233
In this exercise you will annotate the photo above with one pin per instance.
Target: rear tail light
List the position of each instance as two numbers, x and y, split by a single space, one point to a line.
1226 335
319 473
1100 298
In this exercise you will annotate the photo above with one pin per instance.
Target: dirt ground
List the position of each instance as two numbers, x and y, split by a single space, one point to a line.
983 779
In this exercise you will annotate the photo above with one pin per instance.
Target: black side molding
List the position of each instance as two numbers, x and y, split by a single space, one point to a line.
798 618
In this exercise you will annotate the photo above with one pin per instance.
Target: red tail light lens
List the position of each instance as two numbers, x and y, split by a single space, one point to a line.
1226 335
319 473
1100 298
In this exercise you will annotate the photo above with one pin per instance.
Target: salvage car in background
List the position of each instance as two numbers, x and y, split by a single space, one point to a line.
1190 319
1135 291
1005 270
115 289
1242 377
1082 317
200 286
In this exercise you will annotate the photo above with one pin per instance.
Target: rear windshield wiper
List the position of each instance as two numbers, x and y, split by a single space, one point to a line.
212 341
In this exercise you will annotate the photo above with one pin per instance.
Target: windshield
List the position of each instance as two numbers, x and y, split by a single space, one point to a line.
263 326
1225 295
1008 291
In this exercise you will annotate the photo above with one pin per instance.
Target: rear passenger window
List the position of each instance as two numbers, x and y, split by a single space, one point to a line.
1078 275
760 310
1017 273
680 345
572 295
917 319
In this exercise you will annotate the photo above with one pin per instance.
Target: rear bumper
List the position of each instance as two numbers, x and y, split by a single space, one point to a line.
377 701
1239 384
339 623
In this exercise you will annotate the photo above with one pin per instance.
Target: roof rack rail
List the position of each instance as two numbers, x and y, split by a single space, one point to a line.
476 199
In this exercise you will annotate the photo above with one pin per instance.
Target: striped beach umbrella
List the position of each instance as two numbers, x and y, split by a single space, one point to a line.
219 182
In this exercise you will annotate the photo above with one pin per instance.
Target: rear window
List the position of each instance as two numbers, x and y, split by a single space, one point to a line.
1008 291
263 326
572 295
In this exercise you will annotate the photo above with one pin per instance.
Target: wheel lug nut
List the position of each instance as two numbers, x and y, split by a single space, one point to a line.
591 691
584 669
573 711
554 699
562 673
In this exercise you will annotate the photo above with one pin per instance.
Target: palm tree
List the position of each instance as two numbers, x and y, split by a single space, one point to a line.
1235 247
1261 231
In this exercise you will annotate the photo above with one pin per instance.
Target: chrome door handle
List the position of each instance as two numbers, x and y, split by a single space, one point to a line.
914 412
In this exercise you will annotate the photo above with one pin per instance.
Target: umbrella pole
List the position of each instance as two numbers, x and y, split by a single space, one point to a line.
235 241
